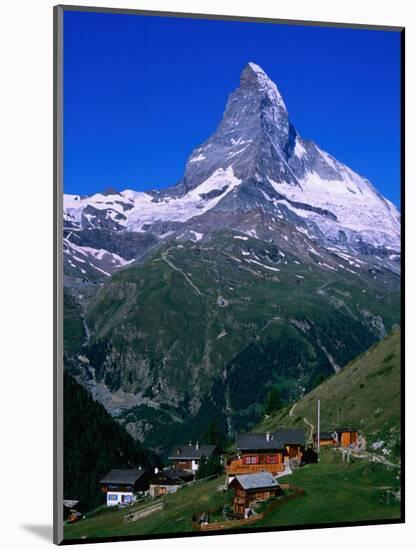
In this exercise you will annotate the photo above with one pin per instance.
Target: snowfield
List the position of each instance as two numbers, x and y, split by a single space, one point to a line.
142 209
356 204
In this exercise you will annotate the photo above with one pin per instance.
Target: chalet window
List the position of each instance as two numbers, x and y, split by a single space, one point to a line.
112 497
272 459
251 459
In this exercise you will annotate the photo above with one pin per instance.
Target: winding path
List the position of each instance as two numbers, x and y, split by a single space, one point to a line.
292 409
311 426
188 280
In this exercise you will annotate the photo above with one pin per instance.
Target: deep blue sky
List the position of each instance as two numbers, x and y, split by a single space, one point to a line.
141 92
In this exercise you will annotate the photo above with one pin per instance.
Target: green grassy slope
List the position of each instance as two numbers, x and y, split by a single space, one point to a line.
175 518
335 492
339 493
364 395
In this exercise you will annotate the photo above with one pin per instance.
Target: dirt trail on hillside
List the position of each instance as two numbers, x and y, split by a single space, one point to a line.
311 426
292 409
168 262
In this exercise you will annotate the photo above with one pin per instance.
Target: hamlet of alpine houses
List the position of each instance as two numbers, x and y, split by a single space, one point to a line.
232 342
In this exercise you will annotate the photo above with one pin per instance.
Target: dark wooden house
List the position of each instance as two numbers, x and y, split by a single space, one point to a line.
265 452
188 457
327 439
169 480
294 442
121 486
256 453
252 488
346 436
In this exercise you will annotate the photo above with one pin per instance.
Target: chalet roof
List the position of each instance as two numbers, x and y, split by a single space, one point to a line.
191 452
125 477
257 442
277 440
346 430
325 435
174 474
260 480
291 437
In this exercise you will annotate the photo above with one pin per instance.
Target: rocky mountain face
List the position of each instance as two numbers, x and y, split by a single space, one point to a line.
269 263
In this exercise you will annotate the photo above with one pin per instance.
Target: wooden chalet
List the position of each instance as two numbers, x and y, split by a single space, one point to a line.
169 480
266 452
252 488
326 439
346 436
188 457
294 442
121 486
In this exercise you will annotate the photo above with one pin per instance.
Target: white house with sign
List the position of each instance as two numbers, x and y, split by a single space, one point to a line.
122 486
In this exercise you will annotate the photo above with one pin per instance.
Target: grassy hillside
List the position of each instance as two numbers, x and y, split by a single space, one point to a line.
340 493
175 518
365 394
335 492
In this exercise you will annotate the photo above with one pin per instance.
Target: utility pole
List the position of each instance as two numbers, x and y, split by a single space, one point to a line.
318 428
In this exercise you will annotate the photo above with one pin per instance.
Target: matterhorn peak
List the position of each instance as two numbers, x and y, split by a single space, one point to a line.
254 78
252 137
253 74
254 165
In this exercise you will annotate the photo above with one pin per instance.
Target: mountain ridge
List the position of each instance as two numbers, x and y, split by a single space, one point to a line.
254 158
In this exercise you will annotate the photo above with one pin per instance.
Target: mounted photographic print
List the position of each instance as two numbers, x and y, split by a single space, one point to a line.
228 312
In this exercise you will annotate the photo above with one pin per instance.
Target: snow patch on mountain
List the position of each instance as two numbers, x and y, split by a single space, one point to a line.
141 209
196 236
198 158
357 206
194 203
85 257
299 149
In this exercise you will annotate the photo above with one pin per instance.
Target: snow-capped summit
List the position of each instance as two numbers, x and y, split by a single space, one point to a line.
252 136
255 159
254 77
256 138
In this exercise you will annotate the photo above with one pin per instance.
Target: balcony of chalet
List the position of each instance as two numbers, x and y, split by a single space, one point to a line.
237 467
